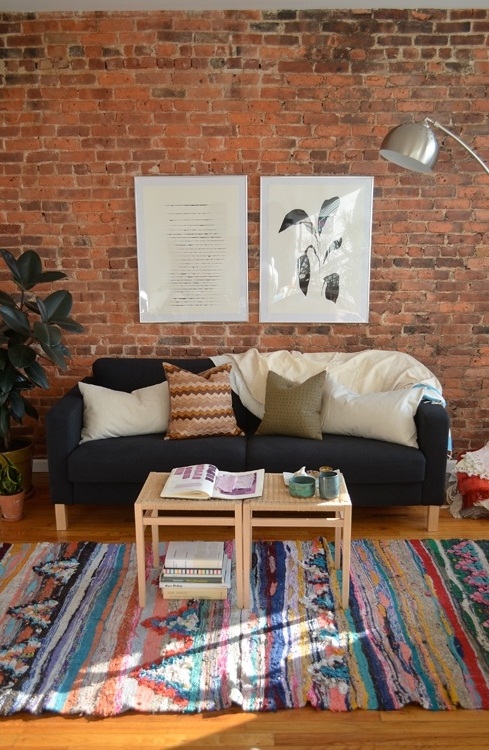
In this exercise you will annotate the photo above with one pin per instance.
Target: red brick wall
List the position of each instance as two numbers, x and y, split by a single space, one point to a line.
91 100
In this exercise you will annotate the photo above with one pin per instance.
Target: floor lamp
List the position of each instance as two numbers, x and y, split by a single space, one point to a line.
414 146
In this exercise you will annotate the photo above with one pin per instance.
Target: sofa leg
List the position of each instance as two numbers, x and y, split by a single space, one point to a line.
61 513
433 516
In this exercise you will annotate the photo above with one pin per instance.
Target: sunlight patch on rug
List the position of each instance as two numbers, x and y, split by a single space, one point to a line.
73 639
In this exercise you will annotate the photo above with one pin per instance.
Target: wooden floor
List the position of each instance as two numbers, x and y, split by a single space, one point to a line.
299 729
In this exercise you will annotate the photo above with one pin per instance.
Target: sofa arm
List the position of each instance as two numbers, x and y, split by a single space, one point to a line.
433 429
64 422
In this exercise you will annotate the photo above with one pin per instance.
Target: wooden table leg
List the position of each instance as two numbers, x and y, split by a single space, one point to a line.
246 535
155 536
238 552
140 554
337 544
346 556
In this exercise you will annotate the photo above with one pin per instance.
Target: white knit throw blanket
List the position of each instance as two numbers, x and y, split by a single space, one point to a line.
368 371
475 463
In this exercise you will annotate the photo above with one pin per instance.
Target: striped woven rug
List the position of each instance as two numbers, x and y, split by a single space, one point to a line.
74 641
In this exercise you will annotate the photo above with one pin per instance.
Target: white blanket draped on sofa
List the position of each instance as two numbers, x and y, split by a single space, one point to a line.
369 371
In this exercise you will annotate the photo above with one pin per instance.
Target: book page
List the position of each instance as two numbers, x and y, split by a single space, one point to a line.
188 480
239 485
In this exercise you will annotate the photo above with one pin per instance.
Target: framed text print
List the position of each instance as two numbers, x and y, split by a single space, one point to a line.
315 244
192 247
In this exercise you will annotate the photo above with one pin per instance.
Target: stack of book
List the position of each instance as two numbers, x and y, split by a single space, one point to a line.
195 570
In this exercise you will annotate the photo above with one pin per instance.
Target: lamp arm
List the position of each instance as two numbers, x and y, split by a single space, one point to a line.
459 140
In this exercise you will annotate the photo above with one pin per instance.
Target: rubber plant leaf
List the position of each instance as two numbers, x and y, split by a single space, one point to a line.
16 320
57 305
68 324
8 376
17 407
297 216
56 354
6 299
30 269
30 410
21 356
47 335
37 374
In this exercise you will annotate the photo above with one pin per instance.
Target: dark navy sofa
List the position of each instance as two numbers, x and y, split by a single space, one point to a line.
112 471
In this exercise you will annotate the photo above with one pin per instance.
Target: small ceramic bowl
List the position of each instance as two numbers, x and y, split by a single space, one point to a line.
302 486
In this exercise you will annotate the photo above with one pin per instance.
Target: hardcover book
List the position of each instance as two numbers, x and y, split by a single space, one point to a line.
185 589
205 481
195 555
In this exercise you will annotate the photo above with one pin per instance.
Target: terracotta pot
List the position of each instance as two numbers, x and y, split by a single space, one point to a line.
12 506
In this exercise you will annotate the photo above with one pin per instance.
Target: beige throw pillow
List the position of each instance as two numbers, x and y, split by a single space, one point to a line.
385 415
200 404
293 408
108 413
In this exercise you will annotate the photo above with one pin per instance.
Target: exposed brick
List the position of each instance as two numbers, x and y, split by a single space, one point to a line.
91 100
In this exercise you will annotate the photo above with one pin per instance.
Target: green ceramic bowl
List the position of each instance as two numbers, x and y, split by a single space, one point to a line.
302 486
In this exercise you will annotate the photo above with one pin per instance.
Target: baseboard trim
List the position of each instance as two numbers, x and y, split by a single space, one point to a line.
40 465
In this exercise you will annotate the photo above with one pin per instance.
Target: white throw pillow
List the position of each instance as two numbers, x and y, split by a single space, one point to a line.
386 415
108 413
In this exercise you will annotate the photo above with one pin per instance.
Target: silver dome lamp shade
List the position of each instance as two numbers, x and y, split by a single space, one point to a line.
414 146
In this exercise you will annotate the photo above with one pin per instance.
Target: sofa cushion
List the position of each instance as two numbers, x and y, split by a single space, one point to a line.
108 413
292 408
200 404
131 459
387 415
362 461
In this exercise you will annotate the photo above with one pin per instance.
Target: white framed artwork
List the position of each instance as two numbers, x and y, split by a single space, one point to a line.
192 248
315 247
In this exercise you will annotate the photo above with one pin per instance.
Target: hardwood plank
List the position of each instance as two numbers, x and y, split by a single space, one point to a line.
412 728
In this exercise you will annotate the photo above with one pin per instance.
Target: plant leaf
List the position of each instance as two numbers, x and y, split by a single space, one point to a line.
331 286
304 270
49 276
12 265
47 334
56 354
57 305
328 208
297 216
6 299
30 266
27 269
16 320
37 374
21 356
30 410
8 378
68 324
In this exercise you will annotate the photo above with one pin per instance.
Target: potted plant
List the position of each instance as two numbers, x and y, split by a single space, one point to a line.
31 332
12 491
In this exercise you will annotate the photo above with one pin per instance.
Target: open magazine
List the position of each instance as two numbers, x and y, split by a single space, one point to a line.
205 481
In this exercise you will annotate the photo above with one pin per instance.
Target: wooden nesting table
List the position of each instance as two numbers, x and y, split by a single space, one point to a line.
152 510
275 508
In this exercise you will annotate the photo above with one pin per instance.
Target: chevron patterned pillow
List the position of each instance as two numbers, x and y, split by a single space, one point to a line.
200 404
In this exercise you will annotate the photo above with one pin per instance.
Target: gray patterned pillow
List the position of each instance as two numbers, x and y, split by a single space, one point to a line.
293 408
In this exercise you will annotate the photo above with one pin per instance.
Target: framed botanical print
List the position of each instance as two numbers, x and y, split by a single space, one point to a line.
315 246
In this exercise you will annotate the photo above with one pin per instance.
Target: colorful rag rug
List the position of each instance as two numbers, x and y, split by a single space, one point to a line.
73 639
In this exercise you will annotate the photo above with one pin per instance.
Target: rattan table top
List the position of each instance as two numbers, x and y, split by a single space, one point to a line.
275 497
